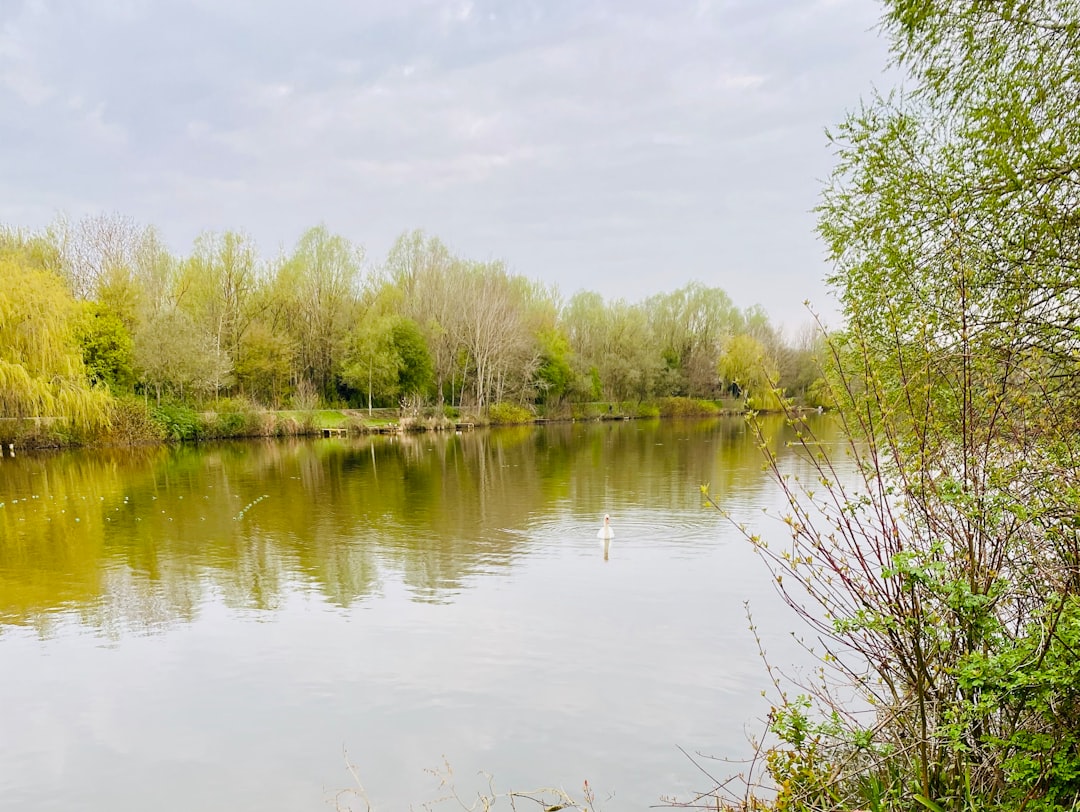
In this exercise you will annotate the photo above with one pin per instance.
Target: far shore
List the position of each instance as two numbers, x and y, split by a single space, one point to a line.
177 424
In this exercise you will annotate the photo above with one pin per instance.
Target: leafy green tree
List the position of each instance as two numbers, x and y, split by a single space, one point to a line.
155 276
173 355
415 368
691 324
387 356
318 287
616 342
746 364
372 363
583 320
422 269
41 367
217 287
555 377
630 365
38 251
107 347
944 581
265 363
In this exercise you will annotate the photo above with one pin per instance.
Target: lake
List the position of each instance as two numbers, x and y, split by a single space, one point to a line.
223 627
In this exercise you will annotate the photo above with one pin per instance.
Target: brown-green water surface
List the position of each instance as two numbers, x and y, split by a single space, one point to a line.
214 627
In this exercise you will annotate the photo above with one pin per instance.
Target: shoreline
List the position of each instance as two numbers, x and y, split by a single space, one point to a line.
178 425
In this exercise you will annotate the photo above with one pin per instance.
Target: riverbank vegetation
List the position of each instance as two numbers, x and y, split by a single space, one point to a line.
941 589
98 315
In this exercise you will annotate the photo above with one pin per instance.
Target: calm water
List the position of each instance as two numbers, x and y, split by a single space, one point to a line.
217 628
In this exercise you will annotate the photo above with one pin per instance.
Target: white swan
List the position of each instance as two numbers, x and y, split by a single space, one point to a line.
606 532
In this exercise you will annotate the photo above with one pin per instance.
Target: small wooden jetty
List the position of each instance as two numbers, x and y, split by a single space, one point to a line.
339 432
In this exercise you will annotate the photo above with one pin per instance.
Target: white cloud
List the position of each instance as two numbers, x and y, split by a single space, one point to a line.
620 145
458 12
18 73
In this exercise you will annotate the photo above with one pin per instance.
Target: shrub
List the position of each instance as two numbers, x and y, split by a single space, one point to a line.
687 407
647 410
508 413
132 422
179 422
237 418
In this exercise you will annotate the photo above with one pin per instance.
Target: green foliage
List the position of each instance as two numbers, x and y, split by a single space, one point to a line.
803 367
647 411
179 422
372 363
687 407
36 251
310 328
800 765
818 394
746 363
555 374
264 364
1034 679
236 418
690 325
41 366
415 367
615 345
107 348
219 282
508 414
595 387
765 401
317 289
230 424
387 360
131 422
942 580
174 356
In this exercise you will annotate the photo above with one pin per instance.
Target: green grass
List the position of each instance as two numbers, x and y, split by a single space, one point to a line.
318 419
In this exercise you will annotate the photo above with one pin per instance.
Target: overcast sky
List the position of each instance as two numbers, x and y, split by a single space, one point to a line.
622 146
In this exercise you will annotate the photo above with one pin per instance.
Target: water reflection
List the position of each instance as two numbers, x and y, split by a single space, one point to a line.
144 537
208 627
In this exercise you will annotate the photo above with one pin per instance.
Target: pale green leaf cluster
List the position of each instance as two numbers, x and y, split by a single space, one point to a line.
943 578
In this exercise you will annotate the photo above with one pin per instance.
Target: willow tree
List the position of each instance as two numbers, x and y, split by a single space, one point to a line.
943 578
748 370
41 367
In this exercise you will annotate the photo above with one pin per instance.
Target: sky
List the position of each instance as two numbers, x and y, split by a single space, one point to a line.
627 147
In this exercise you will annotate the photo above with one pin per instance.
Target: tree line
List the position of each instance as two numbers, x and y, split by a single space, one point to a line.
101 308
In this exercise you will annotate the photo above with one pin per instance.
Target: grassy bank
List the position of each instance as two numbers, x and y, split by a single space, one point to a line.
135 421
